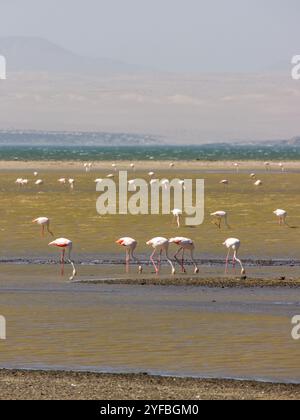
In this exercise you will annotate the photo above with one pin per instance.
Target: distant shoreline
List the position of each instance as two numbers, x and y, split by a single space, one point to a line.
146 165
65 385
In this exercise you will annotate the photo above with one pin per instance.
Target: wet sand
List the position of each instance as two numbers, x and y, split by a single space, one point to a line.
234 282
56 385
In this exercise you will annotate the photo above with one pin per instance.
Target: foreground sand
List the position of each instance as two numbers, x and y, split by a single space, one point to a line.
38 385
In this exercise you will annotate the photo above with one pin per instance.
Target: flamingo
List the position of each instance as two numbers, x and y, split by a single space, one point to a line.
282 215
43 222
224 182
35 174
177 213
62 181
258 183
218 217
237 166
172 164
39 182
88 167
281 166
160 245
233 244
267 165
130 245
19 182
253 175
184 244
64 244
114 166
71 182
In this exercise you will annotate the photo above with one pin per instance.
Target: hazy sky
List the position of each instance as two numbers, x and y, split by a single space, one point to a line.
189 35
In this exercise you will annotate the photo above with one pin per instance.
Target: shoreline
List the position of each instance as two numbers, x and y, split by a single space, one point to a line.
17 384
142 165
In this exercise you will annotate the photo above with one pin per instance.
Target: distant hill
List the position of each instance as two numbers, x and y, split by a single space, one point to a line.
66 138
38 54
295 141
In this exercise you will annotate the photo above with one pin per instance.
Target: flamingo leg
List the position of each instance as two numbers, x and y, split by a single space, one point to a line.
182 262
153 262
233 264
159 260
227 260
136 260
43 231
48 229
127 260
178 221
62 262
170 262
239 262
176 256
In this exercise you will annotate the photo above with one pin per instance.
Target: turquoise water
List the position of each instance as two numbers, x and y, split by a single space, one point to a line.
95 146
212 152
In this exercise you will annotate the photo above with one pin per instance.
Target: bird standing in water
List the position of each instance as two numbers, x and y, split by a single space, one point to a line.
282 215
160 245
130 245
233 244
44 222
218 217
65 244
177 213
185 244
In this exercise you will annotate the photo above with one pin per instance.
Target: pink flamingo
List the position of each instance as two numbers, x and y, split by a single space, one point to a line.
160 245
130 245
43 222
65 244
233 244
184 244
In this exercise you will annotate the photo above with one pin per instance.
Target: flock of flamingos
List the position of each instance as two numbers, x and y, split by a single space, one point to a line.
160 245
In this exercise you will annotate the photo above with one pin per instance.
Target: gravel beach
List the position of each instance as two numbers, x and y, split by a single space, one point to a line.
56 385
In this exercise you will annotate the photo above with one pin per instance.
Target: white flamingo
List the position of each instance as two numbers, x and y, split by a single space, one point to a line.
44 222
282 215
160 245
177 213
218 217
130 245
185 244
64 244
71 182
233 244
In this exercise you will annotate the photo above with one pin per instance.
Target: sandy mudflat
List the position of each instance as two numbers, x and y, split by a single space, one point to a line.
39 385
145 165
201 282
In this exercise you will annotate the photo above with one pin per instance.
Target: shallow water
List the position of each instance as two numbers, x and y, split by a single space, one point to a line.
73 215
240 333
